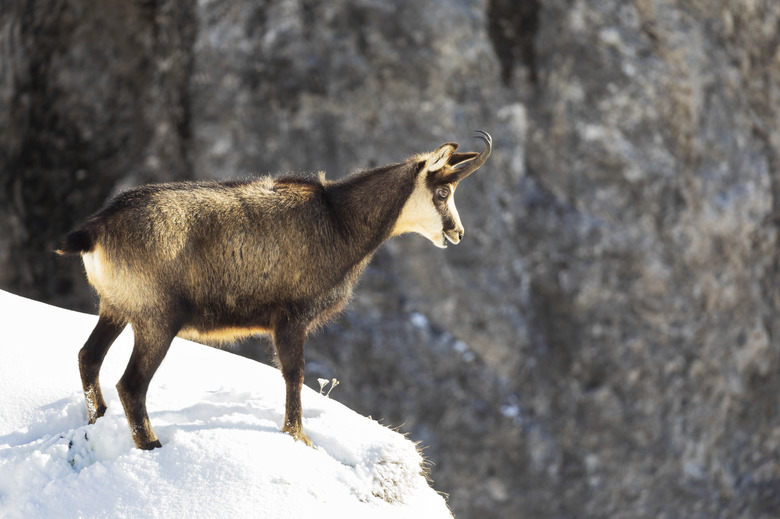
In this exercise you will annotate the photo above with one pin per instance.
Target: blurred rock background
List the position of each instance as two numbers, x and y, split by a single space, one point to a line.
603 343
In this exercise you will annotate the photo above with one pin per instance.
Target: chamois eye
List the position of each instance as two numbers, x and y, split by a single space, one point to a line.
442 193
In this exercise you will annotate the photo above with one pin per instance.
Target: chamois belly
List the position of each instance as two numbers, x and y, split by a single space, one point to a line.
221 335
225 318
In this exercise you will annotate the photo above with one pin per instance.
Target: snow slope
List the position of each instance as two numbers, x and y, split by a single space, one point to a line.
218 416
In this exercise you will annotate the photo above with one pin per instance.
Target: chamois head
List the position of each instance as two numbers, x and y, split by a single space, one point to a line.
430 210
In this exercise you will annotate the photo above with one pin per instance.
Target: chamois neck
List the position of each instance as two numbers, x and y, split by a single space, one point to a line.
368 203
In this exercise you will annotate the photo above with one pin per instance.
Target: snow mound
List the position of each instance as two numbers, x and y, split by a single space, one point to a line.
219 418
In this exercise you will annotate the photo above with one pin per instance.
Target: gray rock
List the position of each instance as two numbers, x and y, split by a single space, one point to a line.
604 341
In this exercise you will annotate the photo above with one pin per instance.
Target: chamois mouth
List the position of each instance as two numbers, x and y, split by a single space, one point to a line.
453 237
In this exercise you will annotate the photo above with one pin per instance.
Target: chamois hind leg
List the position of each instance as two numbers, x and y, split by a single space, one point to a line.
289 341
149 349
91 358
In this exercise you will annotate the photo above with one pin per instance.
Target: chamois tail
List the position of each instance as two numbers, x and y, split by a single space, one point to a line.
77 242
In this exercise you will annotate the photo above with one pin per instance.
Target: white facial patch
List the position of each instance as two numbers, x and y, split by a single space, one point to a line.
420 215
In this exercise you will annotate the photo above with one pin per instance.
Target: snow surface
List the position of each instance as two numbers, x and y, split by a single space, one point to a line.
218 416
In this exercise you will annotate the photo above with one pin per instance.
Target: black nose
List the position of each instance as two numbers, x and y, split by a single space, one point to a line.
460 235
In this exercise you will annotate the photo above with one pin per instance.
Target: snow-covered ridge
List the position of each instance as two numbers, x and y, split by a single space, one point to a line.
218 416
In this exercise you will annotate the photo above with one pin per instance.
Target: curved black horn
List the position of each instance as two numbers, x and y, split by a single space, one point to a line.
467 167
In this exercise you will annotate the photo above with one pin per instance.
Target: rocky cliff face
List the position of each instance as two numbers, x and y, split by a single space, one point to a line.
603 343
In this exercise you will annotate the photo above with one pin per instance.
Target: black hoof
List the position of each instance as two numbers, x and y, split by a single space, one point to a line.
152 445
98 414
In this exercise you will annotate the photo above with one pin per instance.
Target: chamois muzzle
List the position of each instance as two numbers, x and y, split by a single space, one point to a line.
467 167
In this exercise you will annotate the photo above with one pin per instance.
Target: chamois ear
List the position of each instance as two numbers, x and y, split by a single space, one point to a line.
439 158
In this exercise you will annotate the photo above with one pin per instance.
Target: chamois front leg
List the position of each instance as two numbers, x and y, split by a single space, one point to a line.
149 349
91 358
289 341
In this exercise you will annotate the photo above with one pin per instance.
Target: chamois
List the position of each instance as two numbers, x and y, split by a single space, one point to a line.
218 261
